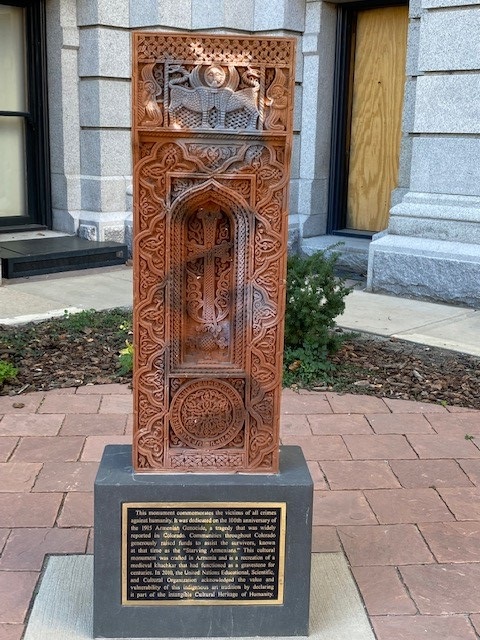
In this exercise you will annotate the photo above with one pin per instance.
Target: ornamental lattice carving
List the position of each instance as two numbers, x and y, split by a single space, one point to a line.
212 125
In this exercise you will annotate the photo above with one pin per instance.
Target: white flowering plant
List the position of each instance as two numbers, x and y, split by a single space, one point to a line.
315 297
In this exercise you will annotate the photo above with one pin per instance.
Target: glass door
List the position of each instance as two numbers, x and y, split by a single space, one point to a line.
23 186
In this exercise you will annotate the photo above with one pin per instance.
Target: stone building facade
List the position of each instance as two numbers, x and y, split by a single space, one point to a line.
427 243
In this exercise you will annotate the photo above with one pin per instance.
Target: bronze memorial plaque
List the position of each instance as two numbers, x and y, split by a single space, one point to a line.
212 133
194 553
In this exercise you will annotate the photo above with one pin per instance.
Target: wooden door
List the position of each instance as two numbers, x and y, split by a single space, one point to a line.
378 78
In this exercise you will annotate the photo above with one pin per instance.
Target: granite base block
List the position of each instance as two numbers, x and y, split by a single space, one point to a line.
116 484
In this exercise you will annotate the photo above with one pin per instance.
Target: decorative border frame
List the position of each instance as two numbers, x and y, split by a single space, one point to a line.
246 172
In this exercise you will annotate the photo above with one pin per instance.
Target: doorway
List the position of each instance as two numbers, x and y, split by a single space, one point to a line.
371 57
24 157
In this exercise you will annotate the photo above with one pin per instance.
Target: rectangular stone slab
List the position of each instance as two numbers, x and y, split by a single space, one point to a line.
212 132
116 484
62 608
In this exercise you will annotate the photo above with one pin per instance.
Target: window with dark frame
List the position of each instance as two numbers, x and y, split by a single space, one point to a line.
24 151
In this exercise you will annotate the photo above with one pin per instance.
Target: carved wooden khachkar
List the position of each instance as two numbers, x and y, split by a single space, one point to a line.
212 123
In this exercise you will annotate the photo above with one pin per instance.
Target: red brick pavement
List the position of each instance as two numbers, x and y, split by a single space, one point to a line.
397 489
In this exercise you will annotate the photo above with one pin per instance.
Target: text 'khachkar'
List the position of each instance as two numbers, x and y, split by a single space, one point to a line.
212 128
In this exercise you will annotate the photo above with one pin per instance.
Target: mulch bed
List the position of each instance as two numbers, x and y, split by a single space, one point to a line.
388 367
62 353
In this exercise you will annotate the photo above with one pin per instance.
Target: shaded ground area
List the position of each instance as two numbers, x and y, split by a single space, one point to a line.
391 368
84 349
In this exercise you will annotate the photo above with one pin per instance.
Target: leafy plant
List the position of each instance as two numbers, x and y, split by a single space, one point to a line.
90 319
126 358
7 371
315 297
79 321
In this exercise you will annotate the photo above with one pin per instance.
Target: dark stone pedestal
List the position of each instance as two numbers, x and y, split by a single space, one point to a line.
117 485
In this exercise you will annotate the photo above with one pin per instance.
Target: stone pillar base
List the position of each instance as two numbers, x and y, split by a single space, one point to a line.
140 614
422 268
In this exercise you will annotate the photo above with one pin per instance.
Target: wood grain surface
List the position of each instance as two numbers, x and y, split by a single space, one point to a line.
377 99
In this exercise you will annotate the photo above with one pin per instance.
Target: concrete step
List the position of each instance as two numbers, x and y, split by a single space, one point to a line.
353 260
36 256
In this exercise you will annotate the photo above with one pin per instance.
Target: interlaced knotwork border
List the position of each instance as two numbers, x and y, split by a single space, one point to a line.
200 180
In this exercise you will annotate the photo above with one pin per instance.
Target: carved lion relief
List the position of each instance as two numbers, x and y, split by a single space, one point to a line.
212 138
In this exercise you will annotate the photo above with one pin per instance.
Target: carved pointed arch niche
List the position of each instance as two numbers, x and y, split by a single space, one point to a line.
212 142
209 251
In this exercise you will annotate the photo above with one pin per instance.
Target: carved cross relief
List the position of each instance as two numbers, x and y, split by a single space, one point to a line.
212 139
208 275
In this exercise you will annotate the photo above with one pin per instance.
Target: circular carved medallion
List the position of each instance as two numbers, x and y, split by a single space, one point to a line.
207 413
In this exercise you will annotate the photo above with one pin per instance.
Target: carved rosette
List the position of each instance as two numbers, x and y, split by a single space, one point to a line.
212 131
207 414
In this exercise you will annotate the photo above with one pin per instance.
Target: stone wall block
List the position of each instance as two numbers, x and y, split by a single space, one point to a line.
279 14
437 216
223 14
311 43
176 14
105 103
105 152
145 13
295 166
297 111
437 4
103 12
63 112
239 15
103 194
70 37
408 112
102 225
450 40
446 165
89 92
405 162
293 196
295 15
312 16
310 109
448 104
415 9
66 11
413 46
66 191
65 220
312 203
208 14
104 52
314 225
431 269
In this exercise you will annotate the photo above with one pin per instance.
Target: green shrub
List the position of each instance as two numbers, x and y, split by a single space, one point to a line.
89 319
126 358
315 297
7 371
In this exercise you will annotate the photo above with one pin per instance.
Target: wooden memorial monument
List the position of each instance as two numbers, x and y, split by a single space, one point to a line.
212 513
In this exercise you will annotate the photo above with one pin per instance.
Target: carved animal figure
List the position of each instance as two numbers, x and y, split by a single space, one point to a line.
203 99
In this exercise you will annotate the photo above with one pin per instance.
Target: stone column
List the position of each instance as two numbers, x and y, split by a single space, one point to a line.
432 248
105 141
318 48
62 56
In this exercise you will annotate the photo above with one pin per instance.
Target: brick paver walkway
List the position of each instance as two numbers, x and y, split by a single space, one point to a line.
396 488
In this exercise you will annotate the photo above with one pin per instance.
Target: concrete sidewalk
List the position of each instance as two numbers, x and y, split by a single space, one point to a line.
437 325
397 490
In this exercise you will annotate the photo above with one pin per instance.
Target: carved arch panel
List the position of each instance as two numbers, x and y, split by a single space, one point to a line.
210 210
